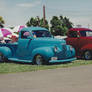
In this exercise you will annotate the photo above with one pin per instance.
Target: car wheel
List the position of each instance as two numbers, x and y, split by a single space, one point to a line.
39 60
87 55
2 58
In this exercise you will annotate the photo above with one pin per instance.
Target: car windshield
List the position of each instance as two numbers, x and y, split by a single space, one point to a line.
41 33
86 33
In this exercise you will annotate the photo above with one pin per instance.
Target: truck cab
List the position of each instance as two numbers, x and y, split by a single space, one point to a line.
81 40
36 45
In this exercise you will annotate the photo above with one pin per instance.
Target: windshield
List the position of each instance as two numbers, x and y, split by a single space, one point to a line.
41 33
86 33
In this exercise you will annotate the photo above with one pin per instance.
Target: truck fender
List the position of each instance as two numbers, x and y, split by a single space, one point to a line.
86 47
72 50
6 51
46 52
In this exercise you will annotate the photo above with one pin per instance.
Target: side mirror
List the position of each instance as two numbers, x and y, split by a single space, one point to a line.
78 36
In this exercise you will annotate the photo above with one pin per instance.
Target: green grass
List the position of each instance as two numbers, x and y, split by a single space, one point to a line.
13 67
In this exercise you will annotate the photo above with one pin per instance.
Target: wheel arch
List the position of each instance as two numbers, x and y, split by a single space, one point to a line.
6 51
46 52
87 47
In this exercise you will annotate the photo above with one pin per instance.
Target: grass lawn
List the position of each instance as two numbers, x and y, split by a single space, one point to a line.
16 67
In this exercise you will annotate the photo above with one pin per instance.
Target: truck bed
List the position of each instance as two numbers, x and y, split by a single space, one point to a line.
12 46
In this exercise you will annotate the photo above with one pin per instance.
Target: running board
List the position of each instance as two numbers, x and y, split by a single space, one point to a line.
18 60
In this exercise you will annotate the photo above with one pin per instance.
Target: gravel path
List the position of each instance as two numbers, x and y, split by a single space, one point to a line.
75 79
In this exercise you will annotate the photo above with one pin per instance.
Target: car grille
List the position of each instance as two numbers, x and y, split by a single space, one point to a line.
62 54
64 49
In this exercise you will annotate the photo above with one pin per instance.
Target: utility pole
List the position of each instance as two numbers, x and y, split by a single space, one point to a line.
88 25
38 21
44 16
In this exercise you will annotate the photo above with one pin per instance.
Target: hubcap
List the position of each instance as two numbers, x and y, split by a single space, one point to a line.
38 60
87 55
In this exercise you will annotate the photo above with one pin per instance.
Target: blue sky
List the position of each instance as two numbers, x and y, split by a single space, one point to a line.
18 12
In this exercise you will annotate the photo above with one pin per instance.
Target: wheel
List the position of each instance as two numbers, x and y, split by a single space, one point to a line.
39 60
2 58
87 55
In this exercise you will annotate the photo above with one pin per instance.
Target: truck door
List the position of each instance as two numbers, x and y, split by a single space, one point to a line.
23 45
73 39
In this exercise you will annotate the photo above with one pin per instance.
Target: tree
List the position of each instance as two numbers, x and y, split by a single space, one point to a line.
32 22
42 23
55 25
60 25
67 23
1 22
37 22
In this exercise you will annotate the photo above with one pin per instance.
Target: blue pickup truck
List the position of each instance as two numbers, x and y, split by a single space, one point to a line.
36 45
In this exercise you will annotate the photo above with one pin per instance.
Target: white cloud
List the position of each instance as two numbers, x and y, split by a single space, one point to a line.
27 5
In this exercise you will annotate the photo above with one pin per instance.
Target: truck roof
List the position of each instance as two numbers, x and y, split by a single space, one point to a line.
80 29
33 28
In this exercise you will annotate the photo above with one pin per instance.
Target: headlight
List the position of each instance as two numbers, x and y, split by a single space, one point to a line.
71 48
63 43
55 49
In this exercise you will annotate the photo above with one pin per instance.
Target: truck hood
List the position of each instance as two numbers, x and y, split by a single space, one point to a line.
49 41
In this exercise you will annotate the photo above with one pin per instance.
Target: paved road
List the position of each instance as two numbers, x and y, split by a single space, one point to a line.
75 79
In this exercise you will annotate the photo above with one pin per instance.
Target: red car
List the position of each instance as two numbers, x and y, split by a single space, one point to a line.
81 40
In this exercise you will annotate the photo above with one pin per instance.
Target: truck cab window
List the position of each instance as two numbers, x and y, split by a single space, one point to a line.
86 33
41 33
25 34
73 34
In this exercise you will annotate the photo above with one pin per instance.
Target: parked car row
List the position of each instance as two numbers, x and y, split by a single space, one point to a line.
36 45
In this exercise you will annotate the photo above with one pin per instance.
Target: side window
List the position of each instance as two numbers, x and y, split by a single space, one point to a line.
73 34
25 34
83 33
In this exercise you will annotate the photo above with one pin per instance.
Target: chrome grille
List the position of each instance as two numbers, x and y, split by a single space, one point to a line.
64 49
62 53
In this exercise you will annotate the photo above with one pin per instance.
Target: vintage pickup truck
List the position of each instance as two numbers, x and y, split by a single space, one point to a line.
81 40
36 45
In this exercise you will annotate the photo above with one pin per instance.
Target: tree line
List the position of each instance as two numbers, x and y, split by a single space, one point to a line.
57 26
